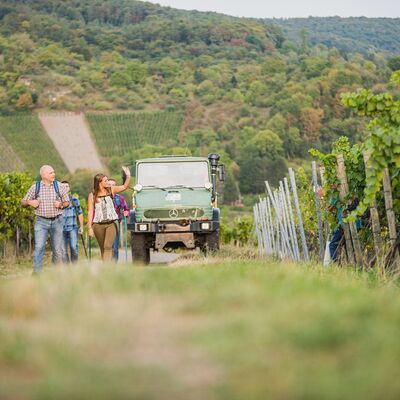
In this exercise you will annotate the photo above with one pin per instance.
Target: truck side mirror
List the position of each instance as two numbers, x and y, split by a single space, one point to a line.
221 171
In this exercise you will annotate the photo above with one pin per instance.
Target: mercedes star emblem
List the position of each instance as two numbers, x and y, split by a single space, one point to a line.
173 213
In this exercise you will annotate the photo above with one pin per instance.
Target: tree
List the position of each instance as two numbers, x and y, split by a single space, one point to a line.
311 121
260 160
24 102
273 65
394 63
231 190
136 71
13 187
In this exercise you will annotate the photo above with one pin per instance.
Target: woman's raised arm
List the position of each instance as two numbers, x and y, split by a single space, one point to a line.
121 188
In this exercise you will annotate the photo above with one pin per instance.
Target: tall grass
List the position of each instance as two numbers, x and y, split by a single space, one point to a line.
209 330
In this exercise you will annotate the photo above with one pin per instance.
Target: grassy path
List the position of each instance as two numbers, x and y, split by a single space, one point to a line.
213 329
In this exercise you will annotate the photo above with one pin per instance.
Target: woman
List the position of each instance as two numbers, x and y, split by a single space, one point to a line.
102 217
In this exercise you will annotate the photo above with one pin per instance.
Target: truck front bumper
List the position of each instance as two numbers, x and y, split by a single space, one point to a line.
174 227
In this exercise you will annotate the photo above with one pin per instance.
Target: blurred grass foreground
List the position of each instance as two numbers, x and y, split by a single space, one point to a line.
222 330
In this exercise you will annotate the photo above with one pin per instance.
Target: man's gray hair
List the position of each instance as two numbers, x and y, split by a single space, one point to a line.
43 169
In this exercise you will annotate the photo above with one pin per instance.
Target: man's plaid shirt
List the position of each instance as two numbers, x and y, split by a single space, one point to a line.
70 213
47 196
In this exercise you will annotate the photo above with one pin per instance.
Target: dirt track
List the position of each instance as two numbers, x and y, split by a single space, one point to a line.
155 257
71 137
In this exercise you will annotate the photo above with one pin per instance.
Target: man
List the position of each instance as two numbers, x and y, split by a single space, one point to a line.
338 232
122 209
48 199
70 234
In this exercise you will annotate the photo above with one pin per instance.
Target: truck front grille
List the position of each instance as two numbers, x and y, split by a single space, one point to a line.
174 213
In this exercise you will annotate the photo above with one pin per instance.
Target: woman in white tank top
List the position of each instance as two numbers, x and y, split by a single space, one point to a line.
102 217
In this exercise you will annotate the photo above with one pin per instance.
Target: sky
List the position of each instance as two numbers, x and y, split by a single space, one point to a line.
291 8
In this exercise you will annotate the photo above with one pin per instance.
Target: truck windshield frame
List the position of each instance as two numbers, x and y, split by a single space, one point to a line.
172 174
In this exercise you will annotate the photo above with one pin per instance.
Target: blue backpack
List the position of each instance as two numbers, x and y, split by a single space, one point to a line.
55 185
117 200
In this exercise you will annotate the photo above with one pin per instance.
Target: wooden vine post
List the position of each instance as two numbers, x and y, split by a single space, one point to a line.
376 226
299 217
387 190
291 218
322 174
350 230
318 208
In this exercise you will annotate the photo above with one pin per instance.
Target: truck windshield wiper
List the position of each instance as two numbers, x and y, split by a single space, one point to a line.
178 186
153 186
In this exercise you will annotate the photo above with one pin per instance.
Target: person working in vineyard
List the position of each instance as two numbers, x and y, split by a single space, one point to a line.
335 206
102 217
48 198
122 209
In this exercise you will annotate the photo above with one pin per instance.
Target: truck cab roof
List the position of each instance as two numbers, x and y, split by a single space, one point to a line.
172 159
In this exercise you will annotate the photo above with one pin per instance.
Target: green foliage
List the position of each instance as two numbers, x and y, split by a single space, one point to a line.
29 141
383 140
230 188
9 161
117 134
355 169
394 63
261 159
81 182
239 231
355 34
13 187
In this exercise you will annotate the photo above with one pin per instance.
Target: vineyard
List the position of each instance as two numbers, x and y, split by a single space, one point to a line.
9 160
356 195
116 133
302 220
30 143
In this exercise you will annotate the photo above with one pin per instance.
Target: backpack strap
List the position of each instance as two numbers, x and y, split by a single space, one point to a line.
37 189
57 189
117 200
55 185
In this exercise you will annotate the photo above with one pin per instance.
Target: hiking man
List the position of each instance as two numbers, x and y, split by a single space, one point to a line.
48 199
70 230
122 209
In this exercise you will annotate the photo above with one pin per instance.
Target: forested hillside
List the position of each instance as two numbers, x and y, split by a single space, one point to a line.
364 35
245 89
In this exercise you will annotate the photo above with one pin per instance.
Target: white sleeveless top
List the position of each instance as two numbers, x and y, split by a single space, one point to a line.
104 210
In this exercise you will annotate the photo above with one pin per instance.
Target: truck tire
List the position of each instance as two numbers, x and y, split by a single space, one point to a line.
140 250
211 243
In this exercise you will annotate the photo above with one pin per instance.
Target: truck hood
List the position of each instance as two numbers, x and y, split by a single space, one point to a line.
154 204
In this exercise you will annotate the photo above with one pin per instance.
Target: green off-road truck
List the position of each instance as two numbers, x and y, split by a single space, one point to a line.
175 205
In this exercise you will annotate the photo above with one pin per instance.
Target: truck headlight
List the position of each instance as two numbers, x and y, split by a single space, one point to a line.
138 187
205 226
208 185
143 227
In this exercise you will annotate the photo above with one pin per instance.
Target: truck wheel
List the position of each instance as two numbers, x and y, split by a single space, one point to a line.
211 243
140 251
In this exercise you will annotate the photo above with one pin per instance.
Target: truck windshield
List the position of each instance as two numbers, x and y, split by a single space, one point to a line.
170 174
